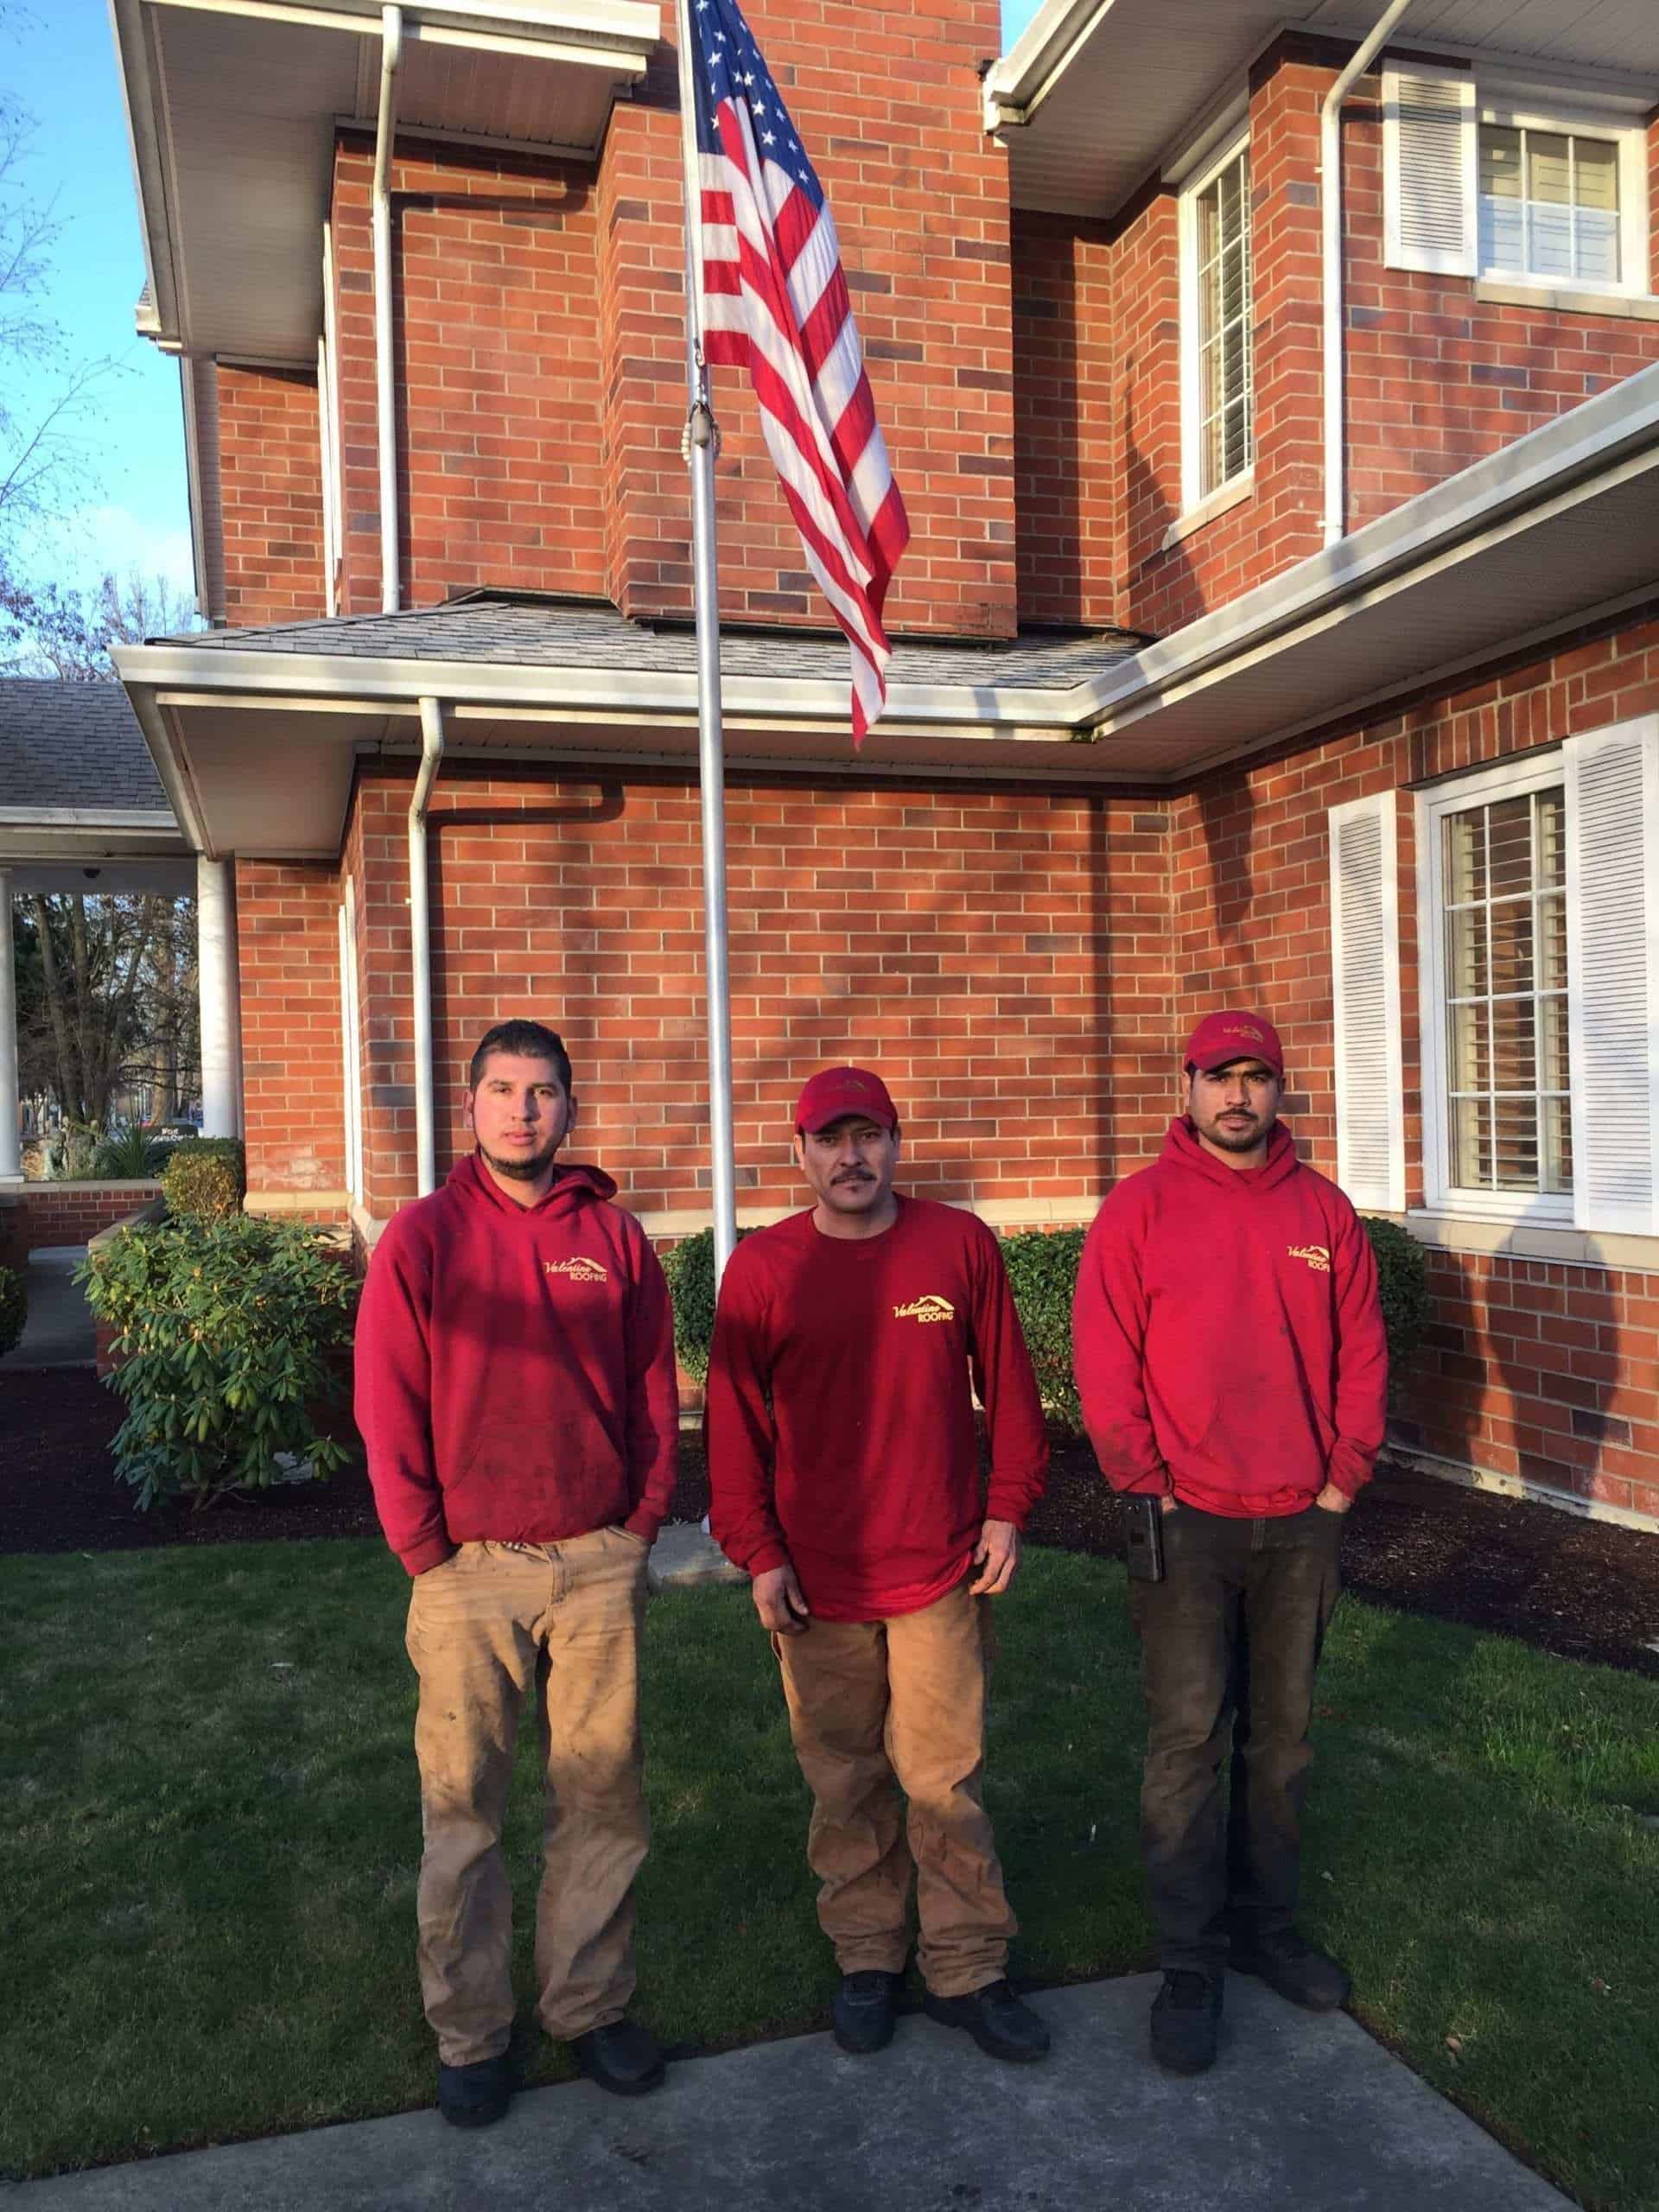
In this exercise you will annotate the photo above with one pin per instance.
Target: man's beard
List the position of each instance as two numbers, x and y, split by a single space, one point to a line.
523 1169
1234 1139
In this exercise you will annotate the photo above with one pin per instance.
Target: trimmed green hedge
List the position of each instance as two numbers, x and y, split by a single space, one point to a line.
1042 1267
205 1179
14 1309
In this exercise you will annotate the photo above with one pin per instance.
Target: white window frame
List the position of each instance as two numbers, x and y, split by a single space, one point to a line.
1539 770
1562 119
1192 494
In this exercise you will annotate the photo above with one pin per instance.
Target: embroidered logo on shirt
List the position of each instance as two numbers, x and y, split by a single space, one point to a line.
1316 1255
931 1308
579 1269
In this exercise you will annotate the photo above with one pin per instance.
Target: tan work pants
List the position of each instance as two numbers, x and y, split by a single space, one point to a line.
483 1628
870 1701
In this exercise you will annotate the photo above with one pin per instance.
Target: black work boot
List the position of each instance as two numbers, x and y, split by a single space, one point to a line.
863 2014
1185 2015
1289 1963
624 2058
998 2021
474 2095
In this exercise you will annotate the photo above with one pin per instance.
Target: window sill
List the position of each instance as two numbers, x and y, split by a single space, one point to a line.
1219 503
1564 299
1534 1240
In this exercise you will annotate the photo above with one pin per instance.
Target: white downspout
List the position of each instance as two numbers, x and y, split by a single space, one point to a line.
1336 468
420 942
391 51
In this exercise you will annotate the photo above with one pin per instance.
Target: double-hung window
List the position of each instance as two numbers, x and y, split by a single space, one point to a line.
1514 187
1219 395
1537 971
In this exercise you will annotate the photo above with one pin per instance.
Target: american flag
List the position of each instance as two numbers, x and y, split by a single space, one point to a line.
774 302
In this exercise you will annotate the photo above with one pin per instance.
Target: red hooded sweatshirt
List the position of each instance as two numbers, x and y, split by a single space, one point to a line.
515 1369
1227 1335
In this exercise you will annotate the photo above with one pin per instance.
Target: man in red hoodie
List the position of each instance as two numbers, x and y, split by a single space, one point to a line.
844 1472
1233 1368
515 1389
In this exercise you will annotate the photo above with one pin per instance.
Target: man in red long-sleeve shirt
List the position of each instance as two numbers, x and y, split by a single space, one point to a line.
844 1471
515 1389
1233 1367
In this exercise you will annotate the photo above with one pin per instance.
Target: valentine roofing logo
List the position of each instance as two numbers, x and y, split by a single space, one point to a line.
579 1269
1241 1029
1316 1255
931 1308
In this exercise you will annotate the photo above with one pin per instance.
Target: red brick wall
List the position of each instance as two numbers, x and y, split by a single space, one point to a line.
270 474
70 1213
498 371
1065 447
1438 379
287 953
1527 1357
993 952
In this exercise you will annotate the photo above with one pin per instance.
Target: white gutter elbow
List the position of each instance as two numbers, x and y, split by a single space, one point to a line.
1336 472
420 943
392 53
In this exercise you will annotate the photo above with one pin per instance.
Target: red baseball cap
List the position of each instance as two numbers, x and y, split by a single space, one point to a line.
835 1092
1235 1036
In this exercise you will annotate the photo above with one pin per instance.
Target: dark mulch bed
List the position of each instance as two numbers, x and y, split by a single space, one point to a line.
1586 1589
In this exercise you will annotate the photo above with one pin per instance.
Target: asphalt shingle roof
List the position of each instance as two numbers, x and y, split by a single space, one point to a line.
505 631
73 745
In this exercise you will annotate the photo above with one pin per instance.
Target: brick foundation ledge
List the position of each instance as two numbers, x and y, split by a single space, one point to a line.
1418 1462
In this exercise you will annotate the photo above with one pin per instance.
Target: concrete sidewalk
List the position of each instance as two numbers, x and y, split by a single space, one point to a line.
1301 2114
59 1331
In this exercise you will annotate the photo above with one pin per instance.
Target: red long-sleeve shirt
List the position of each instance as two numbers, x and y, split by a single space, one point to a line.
1227 1334
840 1418
515 1369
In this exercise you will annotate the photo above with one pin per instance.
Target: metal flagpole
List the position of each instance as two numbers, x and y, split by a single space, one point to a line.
702 442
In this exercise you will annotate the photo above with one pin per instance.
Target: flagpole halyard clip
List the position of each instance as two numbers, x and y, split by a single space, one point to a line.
701 429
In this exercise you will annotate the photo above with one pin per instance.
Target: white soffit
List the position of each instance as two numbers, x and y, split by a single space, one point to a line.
1098 93
233 106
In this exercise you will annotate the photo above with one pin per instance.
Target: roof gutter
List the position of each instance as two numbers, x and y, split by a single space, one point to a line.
391 53
1336 472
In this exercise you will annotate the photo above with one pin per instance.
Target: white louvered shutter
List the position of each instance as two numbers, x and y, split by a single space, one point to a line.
1612 956
1365 981
1430 171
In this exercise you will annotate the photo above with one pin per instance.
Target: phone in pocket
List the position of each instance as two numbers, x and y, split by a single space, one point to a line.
1144 1518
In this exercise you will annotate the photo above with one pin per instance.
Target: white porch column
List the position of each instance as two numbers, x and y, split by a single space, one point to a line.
11 1159
216 981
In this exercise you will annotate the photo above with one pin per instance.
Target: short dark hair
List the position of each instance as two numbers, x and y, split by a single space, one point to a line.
530 1041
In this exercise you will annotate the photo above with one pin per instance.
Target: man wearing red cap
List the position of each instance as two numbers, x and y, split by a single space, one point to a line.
1232 1366
844 1469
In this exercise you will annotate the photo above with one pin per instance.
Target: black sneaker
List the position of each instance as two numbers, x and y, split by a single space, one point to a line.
1289 1963
863 2014
624 2058
998 2021
1185 2015
475 2095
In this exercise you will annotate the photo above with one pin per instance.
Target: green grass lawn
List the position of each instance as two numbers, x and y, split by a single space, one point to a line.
208 1851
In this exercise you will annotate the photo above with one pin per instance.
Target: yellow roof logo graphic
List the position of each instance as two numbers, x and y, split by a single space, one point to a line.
1316 1255
580 1269
931 1308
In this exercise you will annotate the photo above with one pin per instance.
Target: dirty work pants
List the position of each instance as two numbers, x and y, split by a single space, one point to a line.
484 1628
879 1706
1229 1640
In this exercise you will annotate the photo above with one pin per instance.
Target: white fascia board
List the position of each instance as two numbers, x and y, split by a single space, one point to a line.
1588 440
145 824
570 691
1019 82
171 768
585 29
149 174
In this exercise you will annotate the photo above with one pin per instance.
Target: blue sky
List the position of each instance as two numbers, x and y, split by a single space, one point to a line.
58 61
